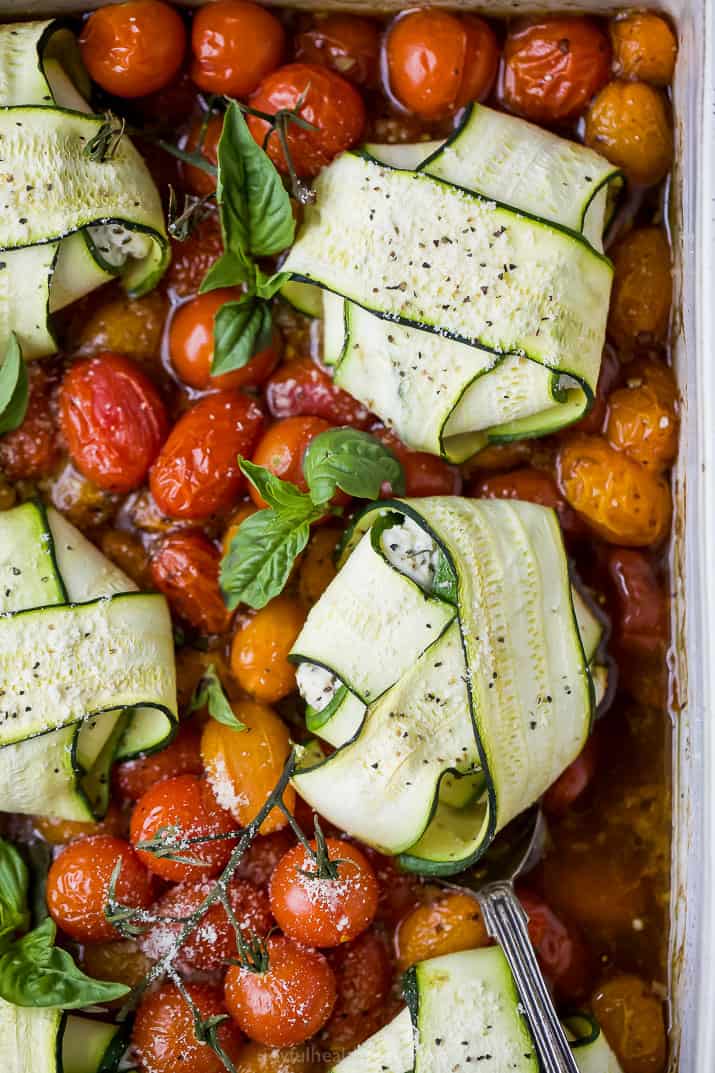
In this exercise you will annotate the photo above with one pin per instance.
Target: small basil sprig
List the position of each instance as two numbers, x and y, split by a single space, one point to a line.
14 882
264 549
14 387
209 693
256 221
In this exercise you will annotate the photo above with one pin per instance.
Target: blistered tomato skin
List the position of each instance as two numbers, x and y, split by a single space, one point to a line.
642 288
640 615
300 388
629 124
282 448
631 1017
207 131
78 886
642 415
197 472
444 924
552 68
164 1037
644 47
191 259
346 44
187 803
363 973
113 420
134 48
425 474
235 44
534 486
259 652
181 757
186 568
329 103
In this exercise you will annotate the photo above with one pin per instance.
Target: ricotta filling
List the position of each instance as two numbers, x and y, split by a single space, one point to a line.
412 551
317 685
117 243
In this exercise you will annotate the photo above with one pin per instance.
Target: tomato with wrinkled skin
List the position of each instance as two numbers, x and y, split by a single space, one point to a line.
163 1032
301 388
235 44
400 892
258 1058
260 648
425 474
534 486
208 131
630 124
78 886
59 832
561 951
363 975
644 47
263 855
197 472
113 419
346 44
185 568
128 553
187 804
119 961
134 48
553 67
642 288
437 62
631 1017
317 566
572 782
192 258
182 756
282 448
324 912
640 615
642 415
32 450
289 1002
445 923
329 103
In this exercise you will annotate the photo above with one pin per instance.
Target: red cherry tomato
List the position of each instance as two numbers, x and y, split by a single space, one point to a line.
181 757
163 1034
32 450
363 975
185 569
561 950
289 1002
437 62
324 912
78 886
196 473
263 855
208 131
330 104
572 782
282 448
552 68
301 388
191 345
113 420
213 942
347 44
191 260
425 474
187 804
134 48
640 618
399 891
235 44
534 486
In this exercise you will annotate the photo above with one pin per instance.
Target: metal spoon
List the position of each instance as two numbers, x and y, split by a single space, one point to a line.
492 881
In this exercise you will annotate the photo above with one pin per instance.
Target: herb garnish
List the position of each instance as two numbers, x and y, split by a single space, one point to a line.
14 387
209 693
104 144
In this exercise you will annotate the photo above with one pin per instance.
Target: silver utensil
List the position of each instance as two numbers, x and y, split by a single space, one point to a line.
492 882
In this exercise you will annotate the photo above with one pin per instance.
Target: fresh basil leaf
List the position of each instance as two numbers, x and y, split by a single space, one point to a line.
14 882
255 208
210 694
268 286
231 270
276 492
242 329
14 387
353 461
262 553
35 972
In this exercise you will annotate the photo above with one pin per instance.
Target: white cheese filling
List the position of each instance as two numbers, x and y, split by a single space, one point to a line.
412 551
317 686
116 243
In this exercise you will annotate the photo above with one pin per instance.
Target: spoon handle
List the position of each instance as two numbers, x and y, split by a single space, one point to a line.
506 922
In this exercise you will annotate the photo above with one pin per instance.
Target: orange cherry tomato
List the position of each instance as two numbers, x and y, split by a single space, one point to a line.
213 941
630 124
622 501
287 1003
120 961
59 832
317 565
329 103
185 569
113 420
324 912
243 767
235 522
282 448
534 486
259 652
644 47
553 67
201 182
33 449
642 415
134 48
163 1034
631 1017
302 388
363 975
425 474
235 44
642 288
572 782
191 345
78 886
197 472
181 757
437 62
561 951
191 259
444 924
347 44
187 804
640 611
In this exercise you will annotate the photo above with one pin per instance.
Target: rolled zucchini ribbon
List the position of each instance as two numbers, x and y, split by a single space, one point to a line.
464 676
465 289
69 222
87 672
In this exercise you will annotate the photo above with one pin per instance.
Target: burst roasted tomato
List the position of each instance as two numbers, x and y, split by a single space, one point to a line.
191 260
163 1034
78 886
134 48
425 474
535 486
553 67
630 124
326 100
642 415
181 757
113 420
300 388
185 568
347 44
640 619
235 44
438 62
197 472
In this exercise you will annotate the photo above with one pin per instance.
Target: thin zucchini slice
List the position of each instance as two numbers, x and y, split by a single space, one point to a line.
91 1046
30 1039
303 297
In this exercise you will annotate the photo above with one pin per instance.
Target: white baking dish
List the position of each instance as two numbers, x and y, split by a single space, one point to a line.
693 554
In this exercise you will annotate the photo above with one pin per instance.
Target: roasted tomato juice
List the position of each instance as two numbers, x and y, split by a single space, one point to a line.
130 436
